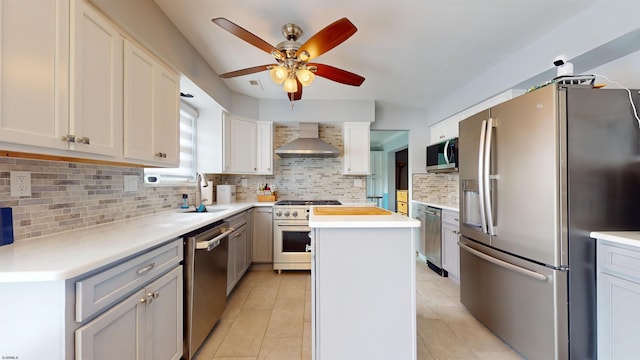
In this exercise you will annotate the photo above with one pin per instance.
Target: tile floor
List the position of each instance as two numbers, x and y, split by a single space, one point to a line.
268 316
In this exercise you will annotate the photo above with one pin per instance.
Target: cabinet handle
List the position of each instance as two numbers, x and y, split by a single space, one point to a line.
143 270
69 138
161 155
83 140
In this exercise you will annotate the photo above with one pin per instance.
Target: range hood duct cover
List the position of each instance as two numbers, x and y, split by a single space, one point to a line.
307 144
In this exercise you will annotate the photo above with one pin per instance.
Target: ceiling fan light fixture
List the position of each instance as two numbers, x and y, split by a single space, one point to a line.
305 76
278 74
290 85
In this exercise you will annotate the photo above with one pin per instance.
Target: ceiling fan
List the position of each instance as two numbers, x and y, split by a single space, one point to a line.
292 67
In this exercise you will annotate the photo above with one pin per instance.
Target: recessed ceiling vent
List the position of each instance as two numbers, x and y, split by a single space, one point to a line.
307 144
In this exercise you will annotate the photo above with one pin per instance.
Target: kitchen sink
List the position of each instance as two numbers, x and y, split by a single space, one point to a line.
209 210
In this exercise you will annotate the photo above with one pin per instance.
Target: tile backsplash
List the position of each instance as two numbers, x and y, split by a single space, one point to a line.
440 189
68 195
304 178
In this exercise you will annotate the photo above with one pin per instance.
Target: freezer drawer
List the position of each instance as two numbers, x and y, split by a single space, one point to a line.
523 303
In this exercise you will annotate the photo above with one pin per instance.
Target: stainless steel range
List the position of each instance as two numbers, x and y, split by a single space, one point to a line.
291 241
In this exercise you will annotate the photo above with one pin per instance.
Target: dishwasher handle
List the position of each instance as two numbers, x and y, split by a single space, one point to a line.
209 245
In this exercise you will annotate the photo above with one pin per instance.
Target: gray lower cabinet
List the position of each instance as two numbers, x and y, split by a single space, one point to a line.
263 235
618 288
239 258
146 325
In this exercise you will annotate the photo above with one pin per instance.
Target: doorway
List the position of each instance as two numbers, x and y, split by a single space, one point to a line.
384 180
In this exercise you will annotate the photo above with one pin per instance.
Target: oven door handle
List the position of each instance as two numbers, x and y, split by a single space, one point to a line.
213 243
300 223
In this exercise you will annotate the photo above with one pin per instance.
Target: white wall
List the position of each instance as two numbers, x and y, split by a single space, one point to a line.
320 111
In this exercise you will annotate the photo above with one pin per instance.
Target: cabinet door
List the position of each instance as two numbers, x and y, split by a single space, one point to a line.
231 264
618 316
263 235
242 148
241 252
96 82
34 68
164 317
265 147
167 115
122 325
356 148
450 250
151 109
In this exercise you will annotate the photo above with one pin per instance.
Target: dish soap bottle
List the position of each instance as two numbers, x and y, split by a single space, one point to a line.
185 201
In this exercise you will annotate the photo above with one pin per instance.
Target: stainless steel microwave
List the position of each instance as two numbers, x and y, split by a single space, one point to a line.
443 157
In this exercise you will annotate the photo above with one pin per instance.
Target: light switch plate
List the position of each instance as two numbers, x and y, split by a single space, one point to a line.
130 183
20 183
244 182
357 183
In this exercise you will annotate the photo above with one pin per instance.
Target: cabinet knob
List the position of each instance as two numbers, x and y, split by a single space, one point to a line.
69 138
83 140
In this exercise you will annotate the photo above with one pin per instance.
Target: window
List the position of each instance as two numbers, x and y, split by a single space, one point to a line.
187 170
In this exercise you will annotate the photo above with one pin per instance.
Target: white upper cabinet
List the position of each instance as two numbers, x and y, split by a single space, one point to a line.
356 148
242 145
444 130
95 120
230 145
151 109
264 148
34 38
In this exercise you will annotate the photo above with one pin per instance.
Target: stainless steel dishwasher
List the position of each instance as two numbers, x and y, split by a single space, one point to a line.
433 239
420 215
205 282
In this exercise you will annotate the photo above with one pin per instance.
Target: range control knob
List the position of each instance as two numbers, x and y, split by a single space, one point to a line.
294 214
286 213
278 213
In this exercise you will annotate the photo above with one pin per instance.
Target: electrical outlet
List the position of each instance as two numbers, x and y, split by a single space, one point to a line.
130 183
357 183
244 182
20 183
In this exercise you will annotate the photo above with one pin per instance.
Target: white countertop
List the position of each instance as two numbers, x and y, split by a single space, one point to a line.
439 206
393 220
630 238
69 254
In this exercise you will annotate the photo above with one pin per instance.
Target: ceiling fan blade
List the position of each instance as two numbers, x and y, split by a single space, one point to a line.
296 95
245 35
338 75
328 38
246 71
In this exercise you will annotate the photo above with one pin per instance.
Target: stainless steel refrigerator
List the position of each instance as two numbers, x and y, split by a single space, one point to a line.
537 174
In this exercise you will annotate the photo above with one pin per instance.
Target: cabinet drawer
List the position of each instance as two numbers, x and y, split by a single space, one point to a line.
619 261
450 217
236 221
402 207
99 291
402 195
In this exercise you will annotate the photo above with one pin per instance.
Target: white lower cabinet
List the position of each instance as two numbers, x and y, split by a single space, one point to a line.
146 325
618 289
450 249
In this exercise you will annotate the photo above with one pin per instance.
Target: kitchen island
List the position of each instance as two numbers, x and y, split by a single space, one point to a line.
363 284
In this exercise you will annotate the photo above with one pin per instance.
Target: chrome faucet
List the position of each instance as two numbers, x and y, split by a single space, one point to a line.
199 200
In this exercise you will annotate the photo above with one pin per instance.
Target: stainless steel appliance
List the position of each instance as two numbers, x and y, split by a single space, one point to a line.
419 214
537 174
443 157
205 282
433 239
291 242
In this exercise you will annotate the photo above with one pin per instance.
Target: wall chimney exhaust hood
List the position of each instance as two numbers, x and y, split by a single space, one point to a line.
307 144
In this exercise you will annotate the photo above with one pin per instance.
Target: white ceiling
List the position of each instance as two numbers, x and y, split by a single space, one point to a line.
411 52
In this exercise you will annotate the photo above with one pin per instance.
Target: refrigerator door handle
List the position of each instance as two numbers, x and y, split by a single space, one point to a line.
485 181
504 264
483 133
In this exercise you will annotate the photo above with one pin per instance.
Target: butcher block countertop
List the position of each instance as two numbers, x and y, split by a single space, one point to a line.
65 255
358 217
